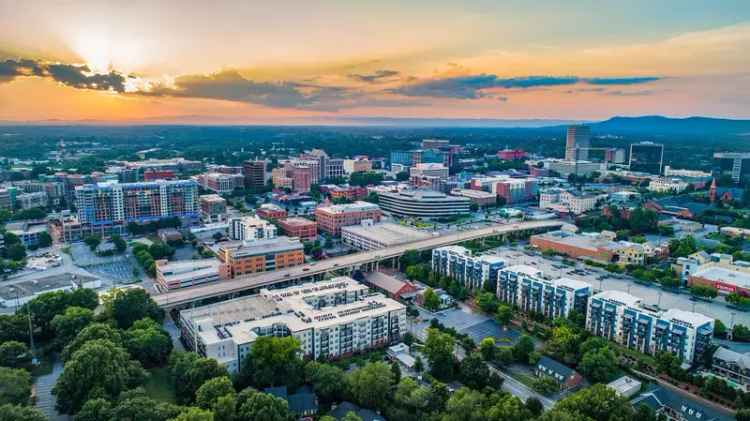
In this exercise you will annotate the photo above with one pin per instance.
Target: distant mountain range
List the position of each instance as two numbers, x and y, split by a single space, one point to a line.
672 126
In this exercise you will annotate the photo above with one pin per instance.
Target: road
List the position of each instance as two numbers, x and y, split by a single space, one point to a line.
520 390
257 280
45 400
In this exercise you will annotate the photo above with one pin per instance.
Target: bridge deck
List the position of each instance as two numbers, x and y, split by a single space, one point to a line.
262 279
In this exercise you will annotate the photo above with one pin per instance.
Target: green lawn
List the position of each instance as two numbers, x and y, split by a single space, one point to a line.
159 385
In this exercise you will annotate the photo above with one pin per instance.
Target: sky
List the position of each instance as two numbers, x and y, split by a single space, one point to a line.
309 62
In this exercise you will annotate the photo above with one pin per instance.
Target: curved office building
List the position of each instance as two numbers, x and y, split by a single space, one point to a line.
423 203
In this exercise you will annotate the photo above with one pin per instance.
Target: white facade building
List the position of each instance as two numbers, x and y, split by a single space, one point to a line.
251 228
667 185
330 319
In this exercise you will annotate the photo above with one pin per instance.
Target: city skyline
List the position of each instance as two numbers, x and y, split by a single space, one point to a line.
290 63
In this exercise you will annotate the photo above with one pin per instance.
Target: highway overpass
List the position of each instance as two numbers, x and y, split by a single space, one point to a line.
249 283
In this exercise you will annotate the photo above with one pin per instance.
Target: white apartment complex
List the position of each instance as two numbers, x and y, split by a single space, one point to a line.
251 228
571 201
330 319
459 264
620 317
667 185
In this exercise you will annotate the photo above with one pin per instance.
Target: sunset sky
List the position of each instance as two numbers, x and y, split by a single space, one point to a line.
312 61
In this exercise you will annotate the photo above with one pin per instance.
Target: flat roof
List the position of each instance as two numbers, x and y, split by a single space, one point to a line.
296 221
386 233
726 275
620 297
624 385
37 286
571 283
357 206
271 245
695 319
524 269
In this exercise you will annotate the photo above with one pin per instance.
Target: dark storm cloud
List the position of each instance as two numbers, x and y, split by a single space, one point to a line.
378 76
471 87
77 76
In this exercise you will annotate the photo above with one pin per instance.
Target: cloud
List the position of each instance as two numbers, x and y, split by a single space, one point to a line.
621 80
77 76
230 85
473 86
644 92
376 77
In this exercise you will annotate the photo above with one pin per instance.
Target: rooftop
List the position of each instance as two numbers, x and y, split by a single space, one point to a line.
726 275
424 195
40 285
619 297
556 366
264 246
387 233
573 284
695 319
358 206
525 269
386 282
688 409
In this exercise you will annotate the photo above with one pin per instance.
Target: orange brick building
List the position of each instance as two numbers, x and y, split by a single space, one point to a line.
270 211
331 218
299 227
261 255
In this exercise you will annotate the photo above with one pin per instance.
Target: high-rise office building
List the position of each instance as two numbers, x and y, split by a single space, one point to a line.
255 174
733 164
577 143
647 157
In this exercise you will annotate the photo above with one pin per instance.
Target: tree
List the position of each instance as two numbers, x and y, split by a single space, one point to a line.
96 409
120 244
68 324
264 407
327 380
598 402
194 414
89 333
225 408
351 416
15 386
45 240
209 393
720 330
396 371
98 368
16 252
487 302
504 314
14 354
431 300
439 351
523 348
465 405
137 406
134 304
17 412
534 406
474 371
546 385
92 241
189 371
370 384
563 345
14 327
599 365
148 343
487 348
273 361
740 333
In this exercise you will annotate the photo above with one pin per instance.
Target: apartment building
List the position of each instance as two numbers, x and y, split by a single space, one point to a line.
525 287
621 318
38 199
732 366
112 202
251 228
570 201
330 319
512 190
265 255
459 264
332 218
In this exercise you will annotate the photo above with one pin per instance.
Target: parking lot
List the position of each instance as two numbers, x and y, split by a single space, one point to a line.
600 279
465 321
